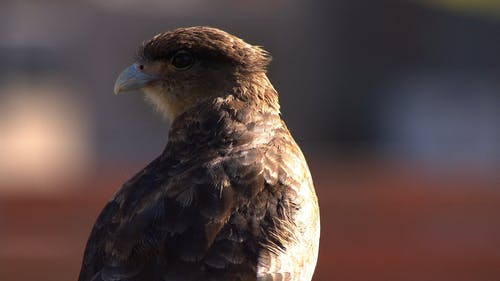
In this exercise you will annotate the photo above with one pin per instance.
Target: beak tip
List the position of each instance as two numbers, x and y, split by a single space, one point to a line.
116 89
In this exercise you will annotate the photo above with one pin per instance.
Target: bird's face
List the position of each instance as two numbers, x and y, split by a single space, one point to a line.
178 69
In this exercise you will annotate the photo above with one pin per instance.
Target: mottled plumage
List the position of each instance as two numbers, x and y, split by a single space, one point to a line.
231 197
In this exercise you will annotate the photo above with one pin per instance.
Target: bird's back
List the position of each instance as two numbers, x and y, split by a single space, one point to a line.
230 198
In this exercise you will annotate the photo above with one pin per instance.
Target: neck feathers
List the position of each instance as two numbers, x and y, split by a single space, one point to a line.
254 90
258 90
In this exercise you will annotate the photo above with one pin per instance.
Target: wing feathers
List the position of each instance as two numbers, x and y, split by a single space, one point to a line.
220 204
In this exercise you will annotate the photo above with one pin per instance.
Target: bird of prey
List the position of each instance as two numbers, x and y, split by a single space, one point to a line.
231 196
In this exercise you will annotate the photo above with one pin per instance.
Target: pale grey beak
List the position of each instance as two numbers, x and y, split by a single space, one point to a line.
132 79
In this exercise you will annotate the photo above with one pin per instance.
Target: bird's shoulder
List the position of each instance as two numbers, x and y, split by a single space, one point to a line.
221 197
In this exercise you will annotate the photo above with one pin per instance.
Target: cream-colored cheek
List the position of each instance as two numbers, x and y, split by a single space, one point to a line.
169 105
160 102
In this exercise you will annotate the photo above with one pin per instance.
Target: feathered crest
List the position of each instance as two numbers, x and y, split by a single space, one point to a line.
206 42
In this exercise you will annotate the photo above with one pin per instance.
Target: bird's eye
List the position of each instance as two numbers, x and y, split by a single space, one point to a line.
182 60
141 66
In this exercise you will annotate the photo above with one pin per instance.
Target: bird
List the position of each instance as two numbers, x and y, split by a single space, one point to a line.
231 196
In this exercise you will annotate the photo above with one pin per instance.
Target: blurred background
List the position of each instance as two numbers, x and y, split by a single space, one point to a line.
395 103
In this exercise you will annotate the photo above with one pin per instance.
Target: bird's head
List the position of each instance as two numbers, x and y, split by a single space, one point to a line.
181 68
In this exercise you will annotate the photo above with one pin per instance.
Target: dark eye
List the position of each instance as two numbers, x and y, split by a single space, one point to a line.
182 60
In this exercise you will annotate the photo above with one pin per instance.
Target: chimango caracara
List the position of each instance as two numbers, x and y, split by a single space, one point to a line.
231 197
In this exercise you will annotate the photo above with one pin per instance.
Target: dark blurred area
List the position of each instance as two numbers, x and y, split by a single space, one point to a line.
396 105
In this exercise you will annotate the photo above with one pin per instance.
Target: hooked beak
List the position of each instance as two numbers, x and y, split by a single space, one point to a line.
132 79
